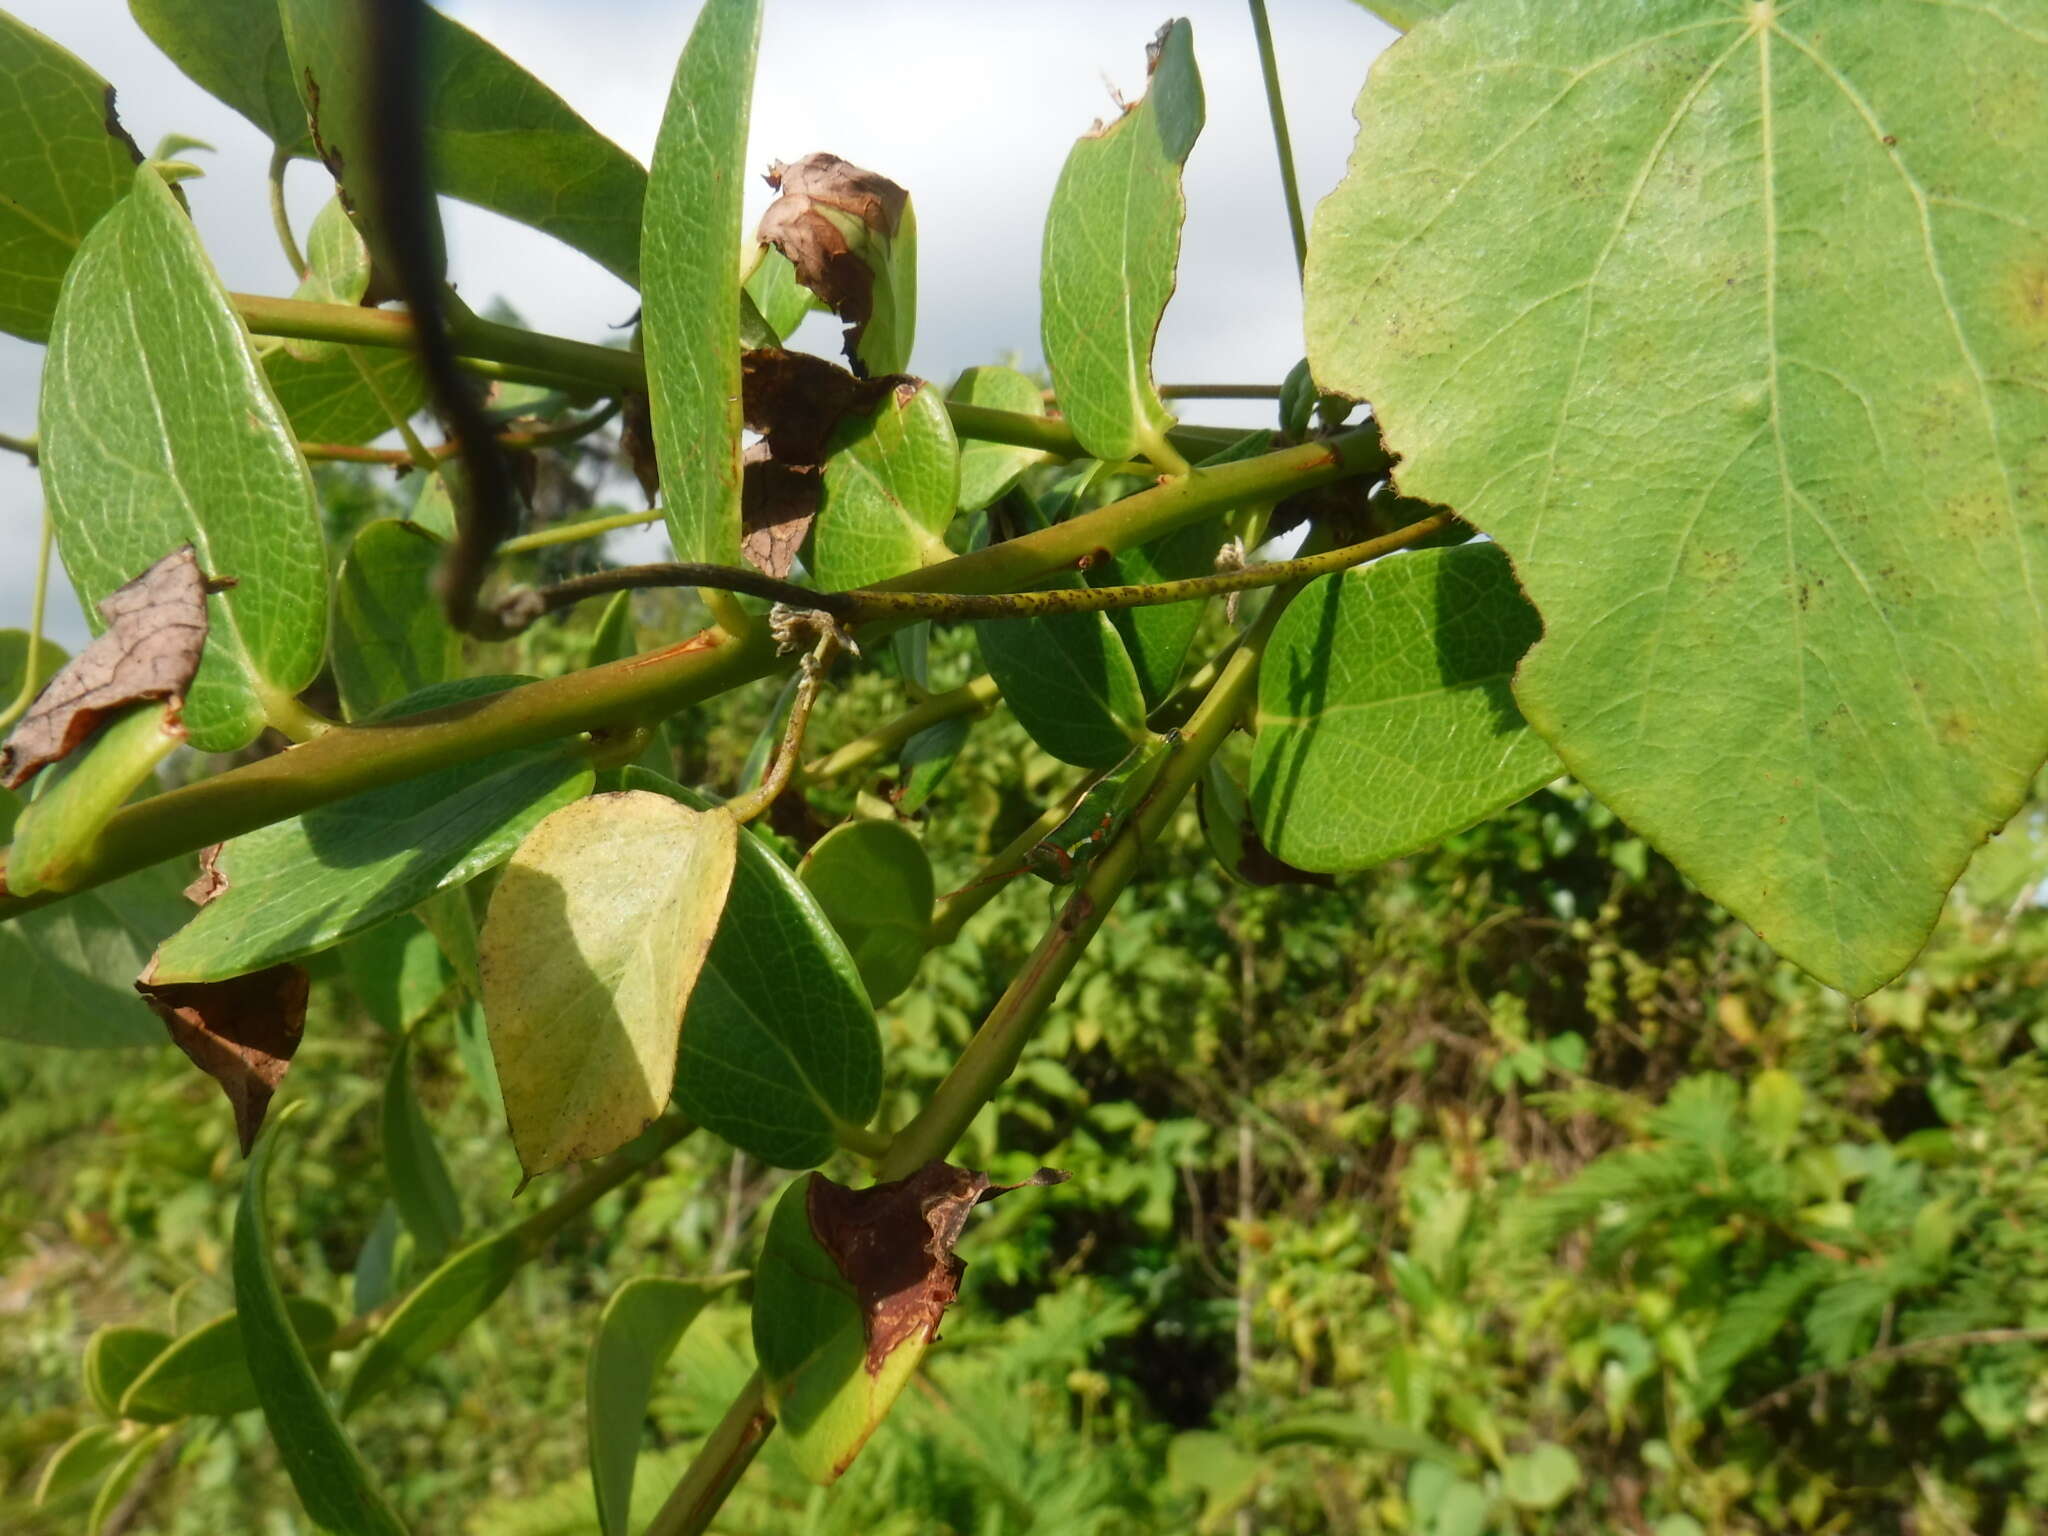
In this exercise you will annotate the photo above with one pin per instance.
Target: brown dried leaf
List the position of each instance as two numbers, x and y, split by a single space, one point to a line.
242 1033
211 880
156 630
636 441
893 1243
818 248
777 503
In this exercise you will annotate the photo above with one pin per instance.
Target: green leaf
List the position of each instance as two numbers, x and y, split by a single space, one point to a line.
337 272
987 470
349 397
233 50
376 1275
390 637
64 161
74 799
779 1045
437 1311
1775 1102
299 886
1753 395
122 1478
596 936
890 483
1543 1479
637 1332
691 281
1403 14
396 972
114 1358
157 429
496 136
926 760
1112 240
330 1477
1385 720
1070 683
65 968
206 1371
778 298
78 1462
875 885
420 1186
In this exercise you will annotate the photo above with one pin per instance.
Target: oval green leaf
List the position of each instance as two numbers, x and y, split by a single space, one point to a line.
234 51
1070 683
122 1478
1386 722
989 469
875 885
78 1462
207 1370
779 1046
299 886
158 429
637 1332
1753 393
595 939
396 972
63 162
337 272
420 1186
691 281
1112 241
390 635
330 1477
926 760
348 397
114 1357
439 1308
890 483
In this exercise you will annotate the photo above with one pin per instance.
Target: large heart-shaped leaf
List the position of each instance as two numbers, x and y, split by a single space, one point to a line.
596 936
63 163
779 1046
690 330
1730 323
296 887
889 487
1112 239
1385 718
158 429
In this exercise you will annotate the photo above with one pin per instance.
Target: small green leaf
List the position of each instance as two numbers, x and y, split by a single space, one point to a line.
875 885
637 1332
1752 395
158 429
1112 241
75 799
63 161
989 469
349 397
926 760
496 136
1543 1479
396 972
376 1275
122 1478
778 298
206 1371
337 272
779 1046
691 281
420 1186
330 1477
1385 720
597 932
114 1358
890 483
78 1462
390 636
1070 683
233 50
300 886
437 1311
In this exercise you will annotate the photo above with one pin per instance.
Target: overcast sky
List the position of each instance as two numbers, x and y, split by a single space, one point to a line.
971 107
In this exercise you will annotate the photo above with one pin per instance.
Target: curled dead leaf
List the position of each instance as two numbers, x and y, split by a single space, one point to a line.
156 631
242 1033
830 214
893 1243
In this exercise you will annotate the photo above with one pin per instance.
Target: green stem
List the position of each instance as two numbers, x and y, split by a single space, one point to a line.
516 442
280 217
951 911
31 685
25 446
862 1141
1269 67
725 1454
351 759
1219 391
867 605
993 1053
571 533
971 697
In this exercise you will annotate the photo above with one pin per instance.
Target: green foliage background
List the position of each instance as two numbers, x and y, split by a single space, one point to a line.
1570 1209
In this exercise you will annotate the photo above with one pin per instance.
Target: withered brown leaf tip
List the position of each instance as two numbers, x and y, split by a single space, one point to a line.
824 260
156 631
242 1033
893 1243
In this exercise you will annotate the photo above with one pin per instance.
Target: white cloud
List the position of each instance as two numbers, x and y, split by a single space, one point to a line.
971 107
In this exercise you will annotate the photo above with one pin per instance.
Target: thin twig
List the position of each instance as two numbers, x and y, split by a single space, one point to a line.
1219 391
1932 1342
1269 67
810 679
31 685
440 453
975 696
25 446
